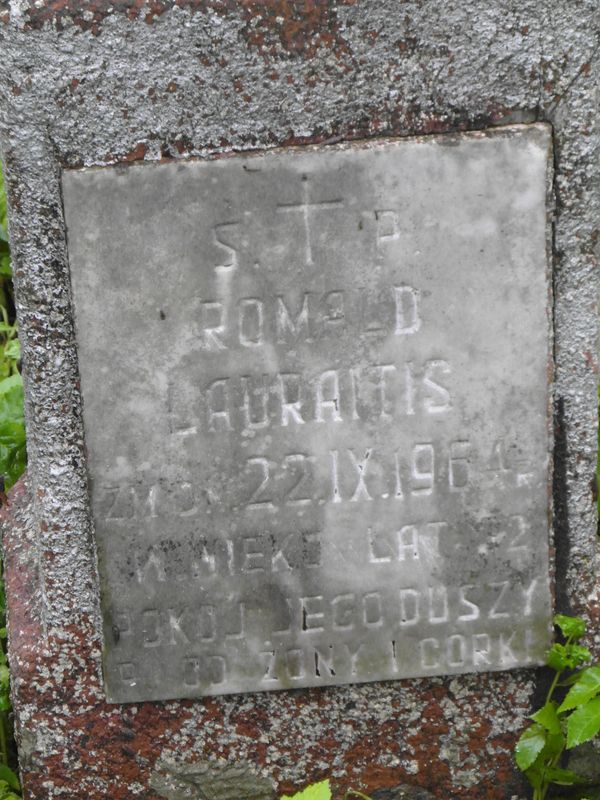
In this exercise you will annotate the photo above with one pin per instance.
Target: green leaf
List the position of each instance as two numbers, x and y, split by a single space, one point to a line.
530 745
563 777
555 744
535 776
570 656
8 386
586 687
6 792
6 774
570 680
13 350
578 655
16 463
11 398
584 723
2 198
557 657
573 627
548 718
12 429
316 791
11 433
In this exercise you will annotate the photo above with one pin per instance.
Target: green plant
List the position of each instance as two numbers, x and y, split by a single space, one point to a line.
7 787
12 422
565 721
319 791
5 269
12 464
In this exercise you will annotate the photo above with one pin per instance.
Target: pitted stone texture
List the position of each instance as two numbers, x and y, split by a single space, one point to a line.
211 78
404 792
327 454
209 781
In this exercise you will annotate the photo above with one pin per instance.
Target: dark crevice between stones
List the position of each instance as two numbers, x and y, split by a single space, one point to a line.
562 541
562 545
560 518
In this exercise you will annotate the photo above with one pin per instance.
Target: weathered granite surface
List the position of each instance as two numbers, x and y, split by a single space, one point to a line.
97 83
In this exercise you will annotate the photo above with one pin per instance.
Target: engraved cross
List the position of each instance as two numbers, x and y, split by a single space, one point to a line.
307 208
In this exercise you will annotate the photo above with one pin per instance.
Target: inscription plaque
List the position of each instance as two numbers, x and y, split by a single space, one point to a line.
316 408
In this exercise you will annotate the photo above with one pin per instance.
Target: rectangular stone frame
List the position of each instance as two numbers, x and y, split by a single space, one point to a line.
114 83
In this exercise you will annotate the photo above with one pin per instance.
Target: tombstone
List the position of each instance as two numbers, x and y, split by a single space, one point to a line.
308 312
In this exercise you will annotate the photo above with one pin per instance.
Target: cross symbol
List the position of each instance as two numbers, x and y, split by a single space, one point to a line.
306 207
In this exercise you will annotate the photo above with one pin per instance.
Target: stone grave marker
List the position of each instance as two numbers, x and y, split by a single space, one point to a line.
308 312
327 454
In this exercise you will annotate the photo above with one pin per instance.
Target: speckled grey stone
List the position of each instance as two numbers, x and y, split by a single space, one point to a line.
316 410
103 83
209 781
404 792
